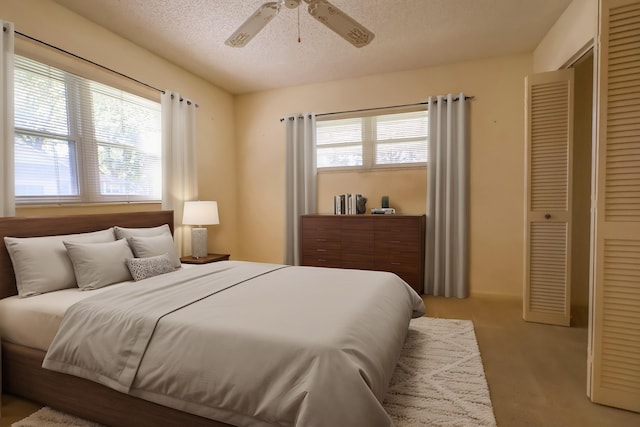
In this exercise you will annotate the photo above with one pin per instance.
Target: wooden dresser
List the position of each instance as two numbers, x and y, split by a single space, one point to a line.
367 242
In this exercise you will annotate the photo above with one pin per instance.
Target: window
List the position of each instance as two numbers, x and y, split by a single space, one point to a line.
77 140
390 140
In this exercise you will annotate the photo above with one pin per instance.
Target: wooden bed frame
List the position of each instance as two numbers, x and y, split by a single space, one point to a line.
22 372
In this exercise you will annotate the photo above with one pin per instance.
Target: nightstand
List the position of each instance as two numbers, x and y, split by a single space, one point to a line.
204 260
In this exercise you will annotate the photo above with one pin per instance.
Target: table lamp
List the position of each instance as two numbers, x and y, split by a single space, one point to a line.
200 213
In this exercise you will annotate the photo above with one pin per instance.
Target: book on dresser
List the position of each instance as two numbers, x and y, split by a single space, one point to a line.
392 243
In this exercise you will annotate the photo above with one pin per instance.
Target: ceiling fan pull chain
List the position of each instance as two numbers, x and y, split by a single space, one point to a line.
298 25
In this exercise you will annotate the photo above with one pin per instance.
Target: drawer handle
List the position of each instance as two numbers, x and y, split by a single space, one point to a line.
321 240
322 260
395 263
396 241
321 250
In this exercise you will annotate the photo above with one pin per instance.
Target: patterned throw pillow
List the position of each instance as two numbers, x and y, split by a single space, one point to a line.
143 268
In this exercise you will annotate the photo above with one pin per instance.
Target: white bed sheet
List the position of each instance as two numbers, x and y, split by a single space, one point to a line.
34 321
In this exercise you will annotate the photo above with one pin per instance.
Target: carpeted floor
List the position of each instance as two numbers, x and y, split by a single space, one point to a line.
47 417
439 381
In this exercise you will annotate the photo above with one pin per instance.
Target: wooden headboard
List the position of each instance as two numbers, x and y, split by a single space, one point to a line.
49 226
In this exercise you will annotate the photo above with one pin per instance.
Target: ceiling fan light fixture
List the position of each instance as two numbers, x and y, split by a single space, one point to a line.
341 23
253 24
292 4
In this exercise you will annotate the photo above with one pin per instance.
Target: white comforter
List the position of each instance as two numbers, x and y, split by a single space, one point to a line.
246 343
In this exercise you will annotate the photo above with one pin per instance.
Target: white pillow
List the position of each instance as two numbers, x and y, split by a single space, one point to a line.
144 247
41 264
143 268
99 264
123 233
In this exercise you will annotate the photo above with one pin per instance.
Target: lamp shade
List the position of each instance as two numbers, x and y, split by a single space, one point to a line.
200 213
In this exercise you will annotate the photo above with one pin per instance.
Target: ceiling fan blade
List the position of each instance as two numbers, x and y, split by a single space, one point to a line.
254 24
344 25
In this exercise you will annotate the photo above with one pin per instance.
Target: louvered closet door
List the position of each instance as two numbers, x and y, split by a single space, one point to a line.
615 369
548 197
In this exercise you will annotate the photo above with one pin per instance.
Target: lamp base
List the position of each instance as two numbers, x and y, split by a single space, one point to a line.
199 242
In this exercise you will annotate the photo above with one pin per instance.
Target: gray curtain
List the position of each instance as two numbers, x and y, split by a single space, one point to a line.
447 234
301 194
179 164
7 139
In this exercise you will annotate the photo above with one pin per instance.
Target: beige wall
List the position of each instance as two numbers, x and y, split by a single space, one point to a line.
497 158
47 21
241 142
406 189
572 34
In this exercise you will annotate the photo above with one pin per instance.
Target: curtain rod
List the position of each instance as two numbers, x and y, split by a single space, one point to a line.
378 108
87 60
59 49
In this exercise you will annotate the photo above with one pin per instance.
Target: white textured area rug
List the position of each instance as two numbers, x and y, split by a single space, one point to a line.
439 381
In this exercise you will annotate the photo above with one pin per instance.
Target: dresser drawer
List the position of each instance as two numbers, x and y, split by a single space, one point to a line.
321 226
401 236
397 262
412 279
396 246
322 247
313 235
356 224
357 242
398 224
321 261
358 261
319 241
408 271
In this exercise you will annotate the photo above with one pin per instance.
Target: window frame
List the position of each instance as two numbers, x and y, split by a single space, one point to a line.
83 141
369 141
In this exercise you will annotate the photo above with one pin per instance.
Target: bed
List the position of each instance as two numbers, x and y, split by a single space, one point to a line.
253 335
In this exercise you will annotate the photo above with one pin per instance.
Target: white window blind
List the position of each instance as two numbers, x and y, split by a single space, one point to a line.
77 140
389 140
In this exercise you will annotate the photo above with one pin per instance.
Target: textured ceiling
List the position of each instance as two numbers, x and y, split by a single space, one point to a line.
409 34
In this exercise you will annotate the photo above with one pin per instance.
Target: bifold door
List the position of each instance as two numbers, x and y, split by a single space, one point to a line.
615 331
549 145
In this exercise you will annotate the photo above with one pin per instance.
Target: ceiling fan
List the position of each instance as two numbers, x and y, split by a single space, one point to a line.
325 12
